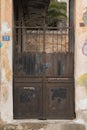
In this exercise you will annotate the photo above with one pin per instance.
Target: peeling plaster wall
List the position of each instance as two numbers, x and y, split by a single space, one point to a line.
6 61
6 86
80 60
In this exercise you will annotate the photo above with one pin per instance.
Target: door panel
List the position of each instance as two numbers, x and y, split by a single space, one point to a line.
27 100
59 65
29 64
59 99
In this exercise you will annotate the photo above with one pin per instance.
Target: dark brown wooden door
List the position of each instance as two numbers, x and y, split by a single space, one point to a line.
43 71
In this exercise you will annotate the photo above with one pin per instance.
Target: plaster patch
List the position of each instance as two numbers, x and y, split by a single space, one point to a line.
82 81
5 63
83 104
5 28
4 92
10 55
8 70
84 3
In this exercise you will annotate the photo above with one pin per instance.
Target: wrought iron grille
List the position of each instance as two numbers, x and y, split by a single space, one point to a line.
37 39
42 51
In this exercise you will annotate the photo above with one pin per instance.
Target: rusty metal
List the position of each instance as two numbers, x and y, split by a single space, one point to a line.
43 71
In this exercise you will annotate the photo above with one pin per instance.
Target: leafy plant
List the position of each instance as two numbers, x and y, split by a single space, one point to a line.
57 12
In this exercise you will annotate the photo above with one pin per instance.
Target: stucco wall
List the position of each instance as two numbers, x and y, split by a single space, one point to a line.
6 87
80 59
6 60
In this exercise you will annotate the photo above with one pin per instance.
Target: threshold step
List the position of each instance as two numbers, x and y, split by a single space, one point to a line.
44 126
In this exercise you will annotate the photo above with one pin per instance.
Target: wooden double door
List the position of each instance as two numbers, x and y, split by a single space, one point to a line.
40 95
43 78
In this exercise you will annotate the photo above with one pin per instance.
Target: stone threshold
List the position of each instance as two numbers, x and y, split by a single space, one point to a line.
43 125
